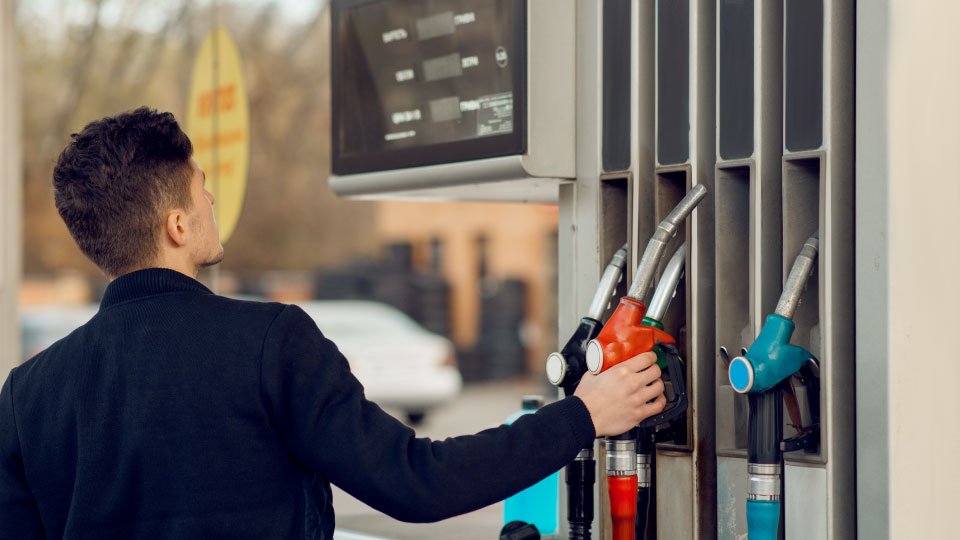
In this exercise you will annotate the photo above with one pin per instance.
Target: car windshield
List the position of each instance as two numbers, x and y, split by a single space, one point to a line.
349 319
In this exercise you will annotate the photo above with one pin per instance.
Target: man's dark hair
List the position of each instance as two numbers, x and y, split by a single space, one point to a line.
114 182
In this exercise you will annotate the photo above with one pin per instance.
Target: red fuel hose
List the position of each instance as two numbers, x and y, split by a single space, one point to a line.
623 505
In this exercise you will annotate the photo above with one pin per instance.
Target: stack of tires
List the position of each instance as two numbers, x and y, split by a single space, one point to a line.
433 303
500 349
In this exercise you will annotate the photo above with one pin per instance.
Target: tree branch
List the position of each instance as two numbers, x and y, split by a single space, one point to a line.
80 73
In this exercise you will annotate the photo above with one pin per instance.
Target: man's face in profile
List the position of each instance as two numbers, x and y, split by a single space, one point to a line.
207 251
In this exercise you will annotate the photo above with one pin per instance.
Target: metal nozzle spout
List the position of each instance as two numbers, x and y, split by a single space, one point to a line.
608 283
665 232
667 287
803 265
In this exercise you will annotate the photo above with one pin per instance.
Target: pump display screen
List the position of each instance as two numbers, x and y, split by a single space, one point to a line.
422 82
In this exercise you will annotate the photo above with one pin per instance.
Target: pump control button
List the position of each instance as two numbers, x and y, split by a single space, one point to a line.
741 375
594 356
556 368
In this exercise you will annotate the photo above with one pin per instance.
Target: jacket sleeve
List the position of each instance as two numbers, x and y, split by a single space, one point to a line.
320 413
18 510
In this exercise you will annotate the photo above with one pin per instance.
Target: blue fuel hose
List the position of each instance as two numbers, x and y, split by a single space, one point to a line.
763 519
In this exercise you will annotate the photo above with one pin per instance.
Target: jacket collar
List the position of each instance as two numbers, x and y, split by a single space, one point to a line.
149 282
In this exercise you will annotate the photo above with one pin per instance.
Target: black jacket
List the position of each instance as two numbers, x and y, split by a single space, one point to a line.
175 413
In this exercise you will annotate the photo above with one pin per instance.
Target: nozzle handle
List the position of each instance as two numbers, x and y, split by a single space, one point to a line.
678 405
565 368
808 436
623 337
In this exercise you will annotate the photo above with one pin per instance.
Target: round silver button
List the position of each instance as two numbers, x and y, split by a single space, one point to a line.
556 368
594 356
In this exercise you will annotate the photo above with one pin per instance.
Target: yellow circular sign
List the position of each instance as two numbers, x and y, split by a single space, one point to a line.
218 124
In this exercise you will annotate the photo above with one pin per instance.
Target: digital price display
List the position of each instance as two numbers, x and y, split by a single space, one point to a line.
424 82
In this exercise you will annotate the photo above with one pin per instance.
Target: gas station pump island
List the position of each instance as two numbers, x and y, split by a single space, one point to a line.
716 131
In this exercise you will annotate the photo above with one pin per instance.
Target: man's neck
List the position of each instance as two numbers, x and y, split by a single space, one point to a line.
182 268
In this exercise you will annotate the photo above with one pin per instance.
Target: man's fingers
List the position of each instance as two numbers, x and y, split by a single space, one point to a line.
641 362
651 390
650 374
654 407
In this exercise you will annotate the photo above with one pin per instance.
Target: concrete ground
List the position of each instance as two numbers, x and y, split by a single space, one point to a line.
480 406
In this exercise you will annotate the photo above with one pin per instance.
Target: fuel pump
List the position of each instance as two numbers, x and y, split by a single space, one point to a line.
564 369
762 373
623 337
648 434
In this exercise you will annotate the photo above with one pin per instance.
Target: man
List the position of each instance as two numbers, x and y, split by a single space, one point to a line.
175 413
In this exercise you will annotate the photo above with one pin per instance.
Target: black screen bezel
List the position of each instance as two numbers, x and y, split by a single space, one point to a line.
507 144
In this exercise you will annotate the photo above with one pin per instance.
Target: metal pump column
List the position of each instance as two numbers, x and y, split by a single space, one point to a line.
564 369
758 373
623 337
647 433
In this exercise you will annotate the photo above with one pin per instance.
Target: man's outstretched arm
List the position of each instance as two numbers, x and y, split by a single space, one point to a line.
321 415
19 515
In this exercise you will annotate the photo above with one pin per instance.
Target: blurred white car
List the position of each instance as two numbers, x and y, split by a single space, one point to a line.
400 364
42 325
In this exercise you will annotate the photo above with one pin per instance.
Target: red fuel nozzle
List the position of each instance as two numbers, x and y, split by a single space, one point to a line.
624 337
623 505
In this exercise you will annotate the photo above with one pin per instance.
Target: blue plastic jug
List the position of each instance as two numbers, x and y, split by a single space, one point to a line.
538 503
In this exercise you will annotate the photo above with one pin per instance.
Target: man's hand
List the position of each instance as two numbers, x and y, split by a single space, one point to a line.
624 395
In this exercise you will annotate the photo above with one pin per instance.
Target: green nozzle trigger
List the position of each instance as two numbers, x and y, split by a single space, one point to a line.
661 356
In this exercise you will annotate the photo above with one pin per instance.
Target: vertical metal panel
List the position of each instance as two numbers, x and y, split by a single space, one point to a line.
803 73
678 494
686 491
748 215
642 213
873 427
806 517
617 60
673 81
818 195
734 276
594 213
837 287
10 190
731 498
736 78
766 189
701 268
916 168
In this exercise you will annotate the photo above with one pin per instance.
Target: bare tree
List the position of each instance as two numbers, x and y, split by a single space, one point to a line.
290 220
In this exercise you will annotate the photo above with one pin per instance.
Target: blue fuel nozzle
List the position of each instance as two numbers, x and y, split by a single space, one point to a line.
769 360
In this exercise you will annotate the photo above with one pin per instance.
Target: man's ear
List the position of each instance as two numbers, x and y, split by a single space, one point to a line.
175 228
